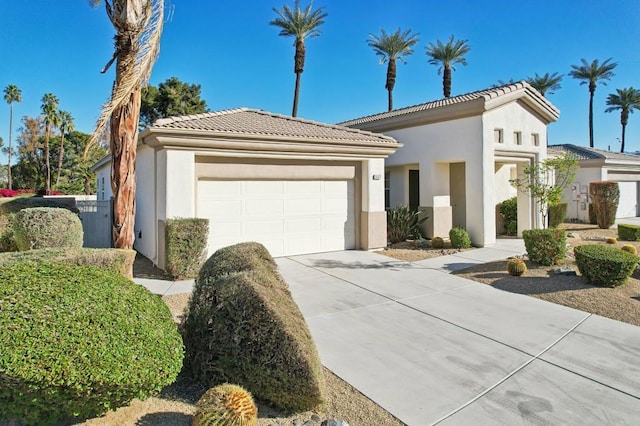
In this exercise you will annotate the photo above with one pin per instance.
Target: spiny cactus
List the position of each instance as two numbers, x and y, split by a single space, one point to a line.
630 248
437 243
611 240
516 267
226 405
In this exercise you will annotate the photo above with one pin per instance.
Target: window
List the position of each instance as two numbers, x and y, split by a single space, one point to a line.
517 138
387 184
535 139
102 189
497 136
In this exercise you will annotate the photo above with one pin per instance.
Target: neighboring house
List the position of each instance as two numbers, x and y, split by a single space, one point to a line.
598 165
459 153
297 186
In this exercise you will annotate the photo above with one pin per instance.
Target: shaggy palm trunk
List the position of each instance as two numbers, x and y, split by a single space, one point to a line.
298 69
9 183
446 81
46 160
60 154
391 81
592 90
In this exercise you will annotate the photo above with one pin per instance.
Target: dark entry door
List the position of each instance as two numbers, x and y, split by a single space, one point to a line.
414 189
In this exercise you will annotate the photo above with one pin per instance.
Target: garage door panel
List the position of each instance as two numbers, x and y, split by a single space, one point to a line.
264 207
627 204
304 206
266 227
263 187
303 187
306 224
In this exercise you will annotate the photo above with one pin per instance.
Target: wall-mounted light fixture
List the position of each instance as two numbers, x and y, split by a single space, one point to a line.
377 177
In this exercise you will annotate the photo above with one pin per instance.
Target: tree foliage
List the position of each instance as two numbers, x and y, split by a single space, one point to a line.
446 56
172 97
546 83
626 101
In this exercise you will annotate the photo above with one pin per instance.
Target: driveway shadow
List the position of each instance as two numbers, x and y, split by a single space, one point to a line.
338 264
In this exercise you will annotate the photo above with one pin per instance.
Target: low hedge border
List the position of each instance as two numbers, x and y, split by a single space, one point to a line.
628 232
603 265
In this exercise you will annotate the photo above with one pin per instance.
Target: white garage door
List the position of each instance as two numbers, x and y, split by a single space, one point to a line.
627 206
287 217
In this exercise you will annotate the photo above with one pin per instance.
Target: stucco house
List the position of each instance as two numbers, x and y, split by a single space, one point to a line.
598 165
459 153
297 186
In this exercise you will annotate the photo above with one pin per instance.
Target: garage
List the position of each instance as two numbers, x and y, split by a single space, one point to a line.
628 203
287 217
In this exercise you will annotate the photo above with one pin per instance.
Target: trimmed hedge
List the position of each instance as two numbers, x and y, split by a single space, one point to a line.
557 214
545 246
628 232
44 227
509 212
118 261
605 266
459 238
605 196
244 327
186 246
77 341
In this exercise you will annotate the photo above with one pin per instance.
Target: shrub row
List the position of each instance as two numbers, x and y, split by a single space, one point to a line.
186 246
628 232
244 327
604 265
8 193
545 246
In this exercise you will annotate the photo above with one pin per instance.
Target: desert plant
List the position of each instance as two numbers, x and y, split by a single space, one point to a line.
186 246
77 341
630 249
557 214
44 227
605 196
603 265
628 232
226 405
244 327
516 266
611 240
403 223
545 246
459 238
509 212
437 243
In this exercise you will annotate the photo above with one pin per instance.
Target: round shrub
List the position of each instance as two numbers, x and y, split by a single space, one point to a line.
459 238
44 227
630 249
226 405
437 243
77 341
603 265
545 246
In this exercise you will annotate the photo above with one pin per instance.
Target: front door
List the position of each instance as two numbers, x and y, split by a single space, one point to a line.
458 193
414 189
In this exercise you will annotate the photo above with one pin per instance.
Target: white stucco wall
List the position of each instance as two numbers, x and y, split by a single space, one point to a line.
373 185
145 226
103 180
577 207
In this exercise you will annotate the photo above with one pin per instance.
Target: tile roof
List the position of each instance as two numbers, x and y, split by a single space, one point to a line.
252 122
486 94
588 153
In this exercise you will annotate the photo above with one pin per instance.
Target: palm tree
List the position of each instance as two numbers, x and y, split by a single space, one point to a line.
545 83
446 56
391 48
138 25
626 101
51 118
299 23
11 94
66 126
591 74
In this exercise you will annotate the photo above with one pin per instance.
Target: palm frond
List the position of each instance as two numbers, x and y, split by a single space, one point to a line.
449 53
393 46
298 22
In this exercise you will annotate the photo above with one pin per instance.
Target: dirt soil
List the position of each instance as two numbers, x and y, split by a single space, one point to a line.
413 251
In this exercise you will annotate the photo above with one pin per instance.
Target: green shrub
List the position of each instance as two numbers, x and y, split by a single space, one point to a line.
459 238
186 246
118 261
545 246
557 214
628 232
509 212
605 196
44 227
593 220
244 327
603 265
403 223
77 341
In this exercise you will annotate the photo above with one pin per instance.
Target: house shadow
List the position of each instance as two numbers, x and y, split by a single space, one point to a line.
338 264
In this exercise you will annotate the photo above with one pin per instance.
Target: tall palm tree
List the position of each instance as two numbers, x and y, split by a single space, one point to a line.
446 55
51 118
591 74
66 126
391 48
138 25
11 94
626 101
545 83
298 23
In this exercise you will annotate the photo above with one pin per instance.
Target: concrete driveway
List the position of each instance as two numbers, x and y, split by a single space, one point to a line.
433 348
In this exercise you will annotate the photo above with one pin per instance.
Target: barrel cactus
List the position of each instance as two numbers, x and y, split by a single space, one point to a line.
516 267
611 240
630 248
226 405
437 243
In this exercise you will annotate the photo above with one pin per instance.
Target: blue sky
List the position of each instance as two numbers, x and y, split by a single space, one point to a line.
228 47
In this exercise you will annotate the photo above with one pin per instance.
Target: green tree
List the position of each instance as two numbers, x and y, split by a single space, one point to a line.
591 74
298 23
51 118
446 55
545 180
66 125
545 83
11 94
172 97
138 25
391 48
626 101
76 176
28 171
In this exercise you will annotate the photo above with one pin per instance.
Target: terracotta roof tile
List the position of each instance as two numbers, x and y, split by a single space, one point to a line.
588 153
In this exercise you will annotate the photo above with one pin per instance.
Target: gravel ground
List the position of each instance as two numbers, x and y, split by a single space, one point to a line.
413 251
